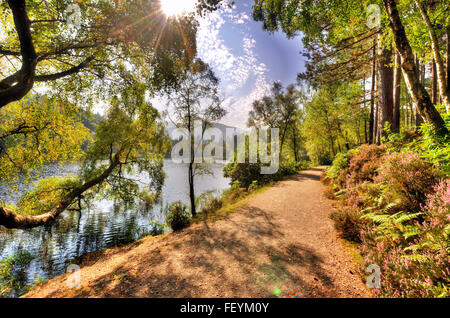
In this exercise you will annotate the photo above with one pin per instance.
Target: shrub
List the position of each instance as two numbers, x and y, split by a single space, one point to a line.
157 227
348 224
340 162
212 205
254 186
364 163
409 178
339 169
247 173
397 206
235 192
302 165
414 263
433 149
286 169
179 217
11 269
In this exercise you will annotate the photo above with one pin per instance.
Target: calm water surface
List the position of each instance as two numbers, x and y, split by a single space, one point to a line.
104 224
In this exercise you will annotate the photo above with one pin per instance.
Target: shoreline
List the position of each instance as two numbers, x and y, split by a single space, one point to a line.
262 243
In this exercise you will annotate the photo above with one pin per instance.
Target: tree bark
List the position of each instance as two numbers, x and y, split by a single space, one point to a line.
372 95
418 93
448 60
397 93
434 93
294 132
16 86
191 163
385 90
12 220
192 189
418 120
437 56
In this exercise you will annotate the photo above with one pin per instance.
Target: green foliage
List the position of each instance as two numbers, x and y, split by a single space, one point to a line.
178 217
158 228
254 186
10 269
330 122
280 110
209 203
45 194
399 216
412 249
130 140
212 206
340 163
114 34
247 173
39 131
125 53
235 192
433 149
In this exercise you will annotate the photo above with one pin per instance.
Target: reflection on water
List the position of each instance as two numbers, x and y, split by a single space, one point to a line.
103 225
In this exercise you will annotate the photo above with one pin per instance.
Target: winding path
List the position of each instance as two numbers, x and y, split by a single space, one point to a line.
281 240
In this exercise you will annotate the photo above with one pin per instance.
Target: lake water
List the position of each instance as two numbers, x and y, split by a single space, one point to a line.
104 224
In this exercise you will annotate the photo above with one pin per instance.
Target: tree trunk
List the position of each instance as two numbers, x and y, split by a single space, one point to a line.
366 137
12 220
372 125
437 56
418 120
294 132
191 162
16 86
191 189
418 93
434 93
448 60
385 90
397 93
375 127
411 115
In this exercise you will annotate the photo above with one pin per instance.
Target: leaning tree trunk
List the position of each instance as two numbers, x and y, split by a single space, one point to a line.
418 92
385 90
397 93
437 56
12 220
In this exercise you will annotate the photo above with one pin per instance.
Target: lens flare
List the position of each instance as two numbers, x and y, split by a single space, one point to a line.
177 7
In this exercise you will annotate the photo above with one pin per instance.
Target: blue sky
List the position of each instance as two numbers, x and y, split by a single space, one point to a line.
245 58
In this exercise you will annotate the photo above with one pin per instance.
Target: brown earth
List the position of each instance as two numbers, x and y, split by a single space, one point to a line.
280 239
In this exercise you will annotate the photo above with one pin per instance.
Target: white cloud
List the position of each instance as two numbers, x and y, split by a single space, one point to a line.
243 76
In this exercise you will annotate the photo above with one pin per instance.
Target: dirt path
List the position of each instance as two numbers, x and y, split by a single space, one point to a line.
282 239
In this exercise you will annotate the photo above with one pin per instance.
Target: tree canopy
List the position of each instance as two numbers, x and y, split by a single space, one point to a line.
60 58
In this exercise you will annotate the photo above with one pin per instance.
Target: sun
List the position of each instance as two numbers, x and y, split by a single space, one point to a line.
177 7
